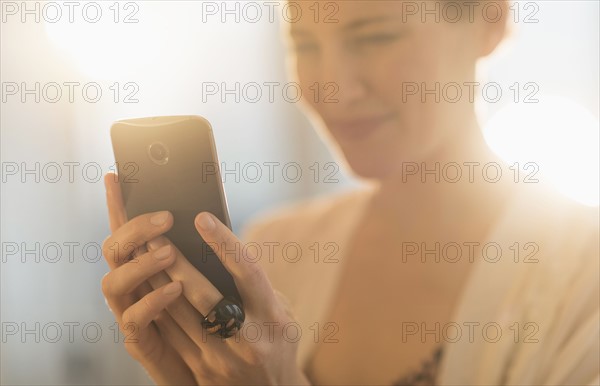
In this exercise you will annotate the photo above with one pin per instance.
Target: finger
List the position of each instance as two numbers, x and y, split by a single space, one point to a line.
141 313
116 209
182 312
179 340
144 288
188 318
118 305
126 278
133 235
250 279
197 289
141 336
180 372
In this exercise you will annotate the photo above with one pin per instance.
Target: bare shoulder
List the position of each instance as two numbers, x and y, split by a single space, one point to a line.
298 219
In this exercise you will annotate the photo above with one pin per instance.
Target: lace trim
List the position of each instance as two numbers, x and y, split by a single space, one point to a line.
426 375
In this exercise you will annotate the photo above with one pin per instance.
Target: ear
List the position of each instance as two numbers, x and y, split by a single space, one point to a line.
493 27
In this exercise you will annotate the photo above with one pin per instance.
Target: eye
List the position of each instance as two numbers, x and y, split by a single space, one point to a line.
304 47
376 39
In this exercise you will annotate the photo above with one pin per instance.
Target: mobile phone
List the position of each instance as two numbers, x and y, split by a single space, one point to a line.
170 163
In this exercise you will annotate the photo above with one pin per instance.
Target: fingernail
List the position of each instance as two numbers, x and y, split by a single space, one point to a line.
205 221
172 288
163 253
160 218
154 244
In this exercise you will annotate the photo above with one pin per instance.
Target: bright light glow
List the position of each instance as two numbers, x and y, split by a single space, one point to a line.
558 135
122 42
155 40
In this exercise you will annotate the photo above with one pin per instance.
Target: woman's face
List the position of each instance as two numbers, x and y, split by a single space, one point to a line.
365 74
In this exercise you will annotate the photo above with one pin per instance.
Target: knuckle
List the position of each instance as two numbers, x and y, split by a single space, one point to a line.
201 368
107 246
147 303
106 284
254 272
132 350
230 371
280 310
278 315
257 357
136 265
161 320
128 318
130 238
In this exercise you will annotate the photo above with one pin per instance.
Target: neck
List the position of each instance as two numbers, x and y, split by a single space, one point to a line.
432 187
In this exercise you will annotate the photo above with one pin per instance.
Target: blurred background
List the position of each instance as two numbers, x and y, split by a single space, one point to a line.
64 81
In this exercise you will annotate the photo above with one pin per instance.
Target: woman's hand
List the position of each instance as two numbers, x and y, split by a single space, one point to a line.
131 298
176 349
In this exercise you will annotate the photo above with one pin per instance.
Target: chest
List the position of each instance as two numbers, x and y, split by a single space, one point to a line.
390 306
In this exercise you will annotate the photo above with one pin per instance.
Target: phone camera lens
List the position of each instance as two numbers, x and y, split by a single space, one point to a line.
158 153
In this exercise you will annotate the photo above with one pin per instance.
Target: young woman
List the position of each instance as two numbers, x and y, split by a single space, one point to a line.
420 277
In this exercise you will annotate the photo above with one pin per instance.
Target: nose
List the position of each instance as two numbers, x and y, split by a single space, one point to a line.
341 79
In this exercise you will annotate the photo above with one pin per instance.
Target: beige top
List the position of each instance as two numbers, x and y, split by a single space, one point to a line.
555 301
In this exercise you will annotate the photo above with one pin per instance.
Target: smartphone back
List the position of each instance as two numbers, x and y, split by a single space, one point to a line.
170 163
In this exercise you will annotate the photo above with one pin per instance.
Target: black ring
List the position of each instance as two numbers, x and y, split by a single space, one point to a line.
225 319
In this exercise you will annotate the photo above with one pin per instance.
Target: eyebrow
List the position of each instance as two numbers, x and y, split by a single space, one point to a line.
354 25
364 22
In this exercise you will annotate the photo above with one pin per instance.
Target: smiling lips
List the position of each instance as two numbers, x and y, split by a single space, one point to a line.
359 128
